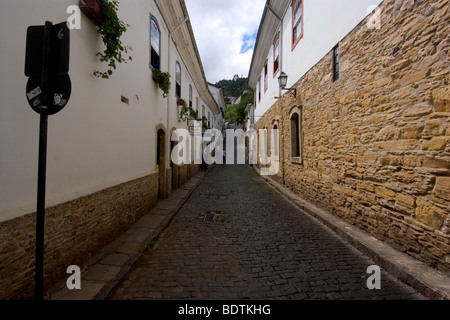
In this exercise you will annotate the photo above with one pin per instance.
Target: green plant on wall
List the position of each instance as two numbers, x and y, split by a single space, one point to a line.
184 112
163 80
194 114
187 113
111 31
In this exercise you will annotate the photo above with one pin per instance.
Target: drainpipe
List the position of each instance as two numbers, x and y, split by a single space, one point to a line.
168 100
280 95
170 64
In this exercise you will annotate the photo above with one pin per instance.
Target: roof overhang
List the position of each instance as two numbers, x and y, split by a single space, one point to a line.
270 23
176 17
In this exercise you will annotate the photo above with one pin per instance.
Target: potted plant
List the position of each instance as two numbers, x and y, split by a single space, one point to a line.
194 114
181 102
185 111
93 10
163 81
111 31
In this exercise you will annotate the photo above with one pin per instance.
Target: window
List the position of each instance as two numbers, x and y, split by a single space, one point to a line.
196 104
209 119
266 71
190 96
178 80
203 111
276 55
155 44
259 89
297 22
276 140
263 147
296 135
336 63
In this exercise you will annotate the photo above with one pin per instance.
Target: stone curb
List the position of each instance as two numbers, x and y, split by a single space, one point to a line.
60 291
432 284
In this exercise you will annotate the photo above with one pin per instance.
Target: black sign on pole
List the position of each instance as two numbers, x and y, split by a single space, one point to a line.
59 84
48 91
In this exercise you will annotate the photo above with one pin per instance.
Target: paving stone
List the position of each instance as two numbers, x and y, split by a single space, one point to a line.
135 235
115 259
88 291
150 221
266 248
161 211
129 248
101 272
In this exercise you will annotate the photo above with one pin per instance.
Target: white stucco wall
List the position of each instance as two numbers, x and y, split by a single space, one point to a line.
96 141
326 22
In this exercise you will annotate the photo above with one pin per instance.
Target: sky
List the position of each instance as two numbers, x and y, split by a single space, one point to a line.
225 31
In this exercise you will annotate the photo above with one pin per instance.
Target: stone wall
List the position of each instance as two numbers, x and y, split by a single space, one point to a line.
74 231
376 148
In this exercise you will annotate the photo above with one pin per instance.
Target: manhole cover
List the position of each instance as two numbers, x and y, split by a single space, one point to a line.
209 217
212 216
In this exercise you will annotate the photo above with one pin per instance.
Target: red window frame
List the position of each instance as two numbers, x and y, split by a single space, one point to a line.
276 68
296 41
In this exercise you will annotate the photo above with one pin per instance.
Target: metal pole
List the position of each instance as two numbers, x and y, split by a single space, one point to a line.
42 168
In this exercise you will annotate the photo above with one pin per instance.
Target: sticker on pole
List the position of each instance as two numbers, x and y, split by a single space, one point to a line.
59 91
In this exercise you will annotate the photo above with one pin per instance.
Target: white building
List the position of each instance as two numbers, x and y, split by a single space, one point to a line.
293 36
112 138
218 94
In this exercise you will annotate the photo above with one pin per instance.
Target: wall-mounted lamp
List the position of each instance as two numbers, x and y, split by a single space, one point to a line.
282 81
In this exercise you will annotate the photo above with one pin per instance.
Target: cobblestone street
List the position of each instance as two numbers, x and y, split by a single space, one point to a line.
236 238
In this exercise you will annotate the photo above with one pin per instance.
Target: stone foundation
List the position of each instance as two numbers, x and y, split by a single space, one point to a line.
376 148
74 231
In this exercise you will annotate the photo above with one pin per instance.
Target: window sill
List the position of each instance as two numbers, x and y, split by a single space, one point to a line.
296 160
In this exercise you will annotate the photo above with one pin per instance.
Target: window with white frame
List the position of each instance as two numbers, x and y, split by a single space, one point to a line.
155 44
178 79
296 135
276 55
276 139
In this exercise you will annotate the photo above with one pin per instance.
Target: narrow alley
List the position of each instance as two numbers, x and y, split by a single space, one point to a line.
236 238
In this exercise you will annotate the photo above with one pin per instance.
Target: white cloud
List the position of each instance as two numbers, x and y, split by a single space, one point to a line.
225 31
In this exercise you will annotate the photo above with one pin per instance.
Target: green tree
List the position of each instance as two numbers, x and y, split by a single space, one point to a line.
233 88
237 113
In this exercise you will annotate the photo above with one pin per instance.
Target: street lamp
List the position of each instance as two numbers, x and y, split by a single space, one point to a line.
282 81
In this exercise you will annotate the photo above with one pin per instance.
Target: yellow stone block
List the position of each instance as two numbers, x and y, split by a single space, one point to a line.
429 214
442 188
385 193
437 144
405 200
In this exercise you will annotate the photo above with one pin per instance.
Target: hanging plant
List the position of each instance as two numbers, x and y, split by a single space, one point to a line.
194 114
184 111
163 81
187 113
111 31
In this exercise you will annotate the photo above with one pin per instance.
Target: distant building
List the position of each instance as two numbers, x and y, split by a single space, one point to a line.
218 94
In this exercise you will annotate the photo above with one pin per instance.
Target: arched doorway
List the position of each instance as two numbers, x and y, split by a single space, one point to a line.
161 162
